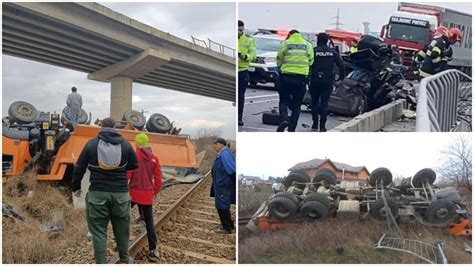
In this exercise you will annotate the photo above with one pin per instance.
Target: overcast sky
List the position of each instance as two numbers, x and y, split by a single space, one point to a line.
270 154
47 86
316 17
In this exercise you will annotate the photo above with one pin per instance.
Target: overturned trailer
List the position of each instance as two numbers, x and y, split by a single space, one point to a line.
42 141
301 198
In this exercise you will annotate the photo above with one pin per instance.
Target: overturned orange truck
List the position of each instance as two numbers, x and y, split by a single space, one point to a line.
41 141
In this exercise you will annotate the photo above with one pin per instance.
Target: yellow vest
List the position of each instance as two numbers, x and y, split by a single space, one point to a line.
246 46
295 55
353 49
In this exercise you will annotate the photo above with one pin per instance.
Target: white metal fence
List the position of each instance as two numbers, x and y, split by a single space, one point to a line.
214 46
444 100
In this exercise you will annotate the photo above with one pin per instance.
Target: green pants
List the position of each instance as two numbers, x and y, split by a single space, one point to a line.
102 207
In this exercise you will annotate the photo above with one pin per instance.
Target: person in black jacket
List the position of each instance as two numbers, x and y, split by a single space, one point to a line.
322 77
108 158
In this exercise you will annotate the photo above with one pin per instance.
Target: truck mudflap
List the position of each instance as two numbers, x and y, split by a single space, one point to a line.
171 150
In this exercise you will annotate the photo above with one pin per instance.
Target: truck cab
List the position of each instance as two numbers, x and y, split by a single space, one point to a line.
409 32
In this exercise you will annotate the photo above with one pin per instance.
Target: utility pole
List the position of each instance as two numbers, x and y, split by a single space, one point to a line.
338 22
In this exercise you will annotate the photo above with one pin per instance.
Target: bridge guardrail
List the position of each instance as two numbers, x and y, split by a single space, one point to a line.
214 46
443 100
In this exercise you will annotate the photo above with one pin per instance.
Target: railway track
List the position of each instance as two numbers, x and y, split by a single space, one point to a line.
186 231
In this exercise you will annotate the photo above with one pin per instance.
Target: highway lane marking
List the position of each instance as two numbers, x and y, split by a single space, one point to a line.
257 128
264 101
261 96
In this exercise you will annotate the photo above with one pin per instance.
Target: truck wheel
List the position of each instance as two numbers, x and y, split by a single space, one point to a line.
319 197
325 175
440 212
136 118
297 176
378 211
314 210
288 195
380 174
158 123
422 175
22 112
66 116
282 208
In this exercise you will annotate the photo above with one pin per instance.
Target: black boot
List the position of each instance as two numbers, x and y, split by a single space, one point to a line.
281 127
314 127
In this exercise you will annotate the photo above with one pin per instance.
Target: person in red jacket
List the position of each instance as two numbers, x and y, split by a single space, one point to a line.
145 183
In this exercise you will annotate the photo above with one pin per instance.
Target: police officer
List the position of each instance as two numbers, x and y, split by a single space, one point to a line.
247 54
294 58
439 47
322 77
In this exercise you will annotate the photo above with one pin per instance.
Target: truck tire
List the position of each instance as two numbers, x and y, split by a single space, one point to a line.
422 175
381 174
288 195
137 119
440 212
282 208
319 197
158 123
314 211
269 118
66 114
325 175
297 176
377 210
22 112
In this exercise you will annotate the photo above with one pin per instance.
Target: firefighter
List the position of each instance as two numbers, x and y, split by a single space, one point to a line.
440 46
247 54
353 48
294 58
322 77
420 56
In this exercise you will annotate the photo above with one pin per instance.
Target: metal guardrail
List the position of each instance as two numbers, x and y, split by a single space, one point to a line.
439 98
214 46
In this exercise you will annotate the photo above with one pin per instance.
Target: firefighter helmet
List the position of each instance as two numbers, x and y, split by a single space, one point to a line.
455 35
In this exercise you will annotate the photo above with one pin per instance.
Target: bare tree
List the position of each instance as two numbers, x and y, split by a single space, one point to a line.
205 136
457 168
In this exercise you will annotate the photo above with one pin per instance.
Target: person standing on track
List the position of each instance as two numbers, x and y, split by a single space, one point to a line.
108 157
74 102
223 184
145 183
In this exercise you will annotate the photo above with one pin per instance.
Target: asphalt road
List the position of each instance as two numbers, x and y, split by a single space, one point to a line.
263 98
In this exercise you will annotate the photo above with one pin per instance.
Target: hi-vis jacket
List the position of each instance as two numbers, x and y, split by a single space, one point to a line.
246 46
295 55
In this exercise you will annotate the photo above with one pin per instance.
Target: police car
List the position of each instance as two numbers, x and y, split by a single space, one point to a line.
264 68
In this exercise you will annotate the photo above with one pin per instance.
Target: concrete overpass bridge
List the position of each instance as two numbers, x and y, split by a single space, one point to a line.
114 48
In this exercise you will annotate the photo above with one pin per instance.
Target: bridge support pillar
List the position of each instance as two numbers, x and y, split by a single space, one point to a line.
120 96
